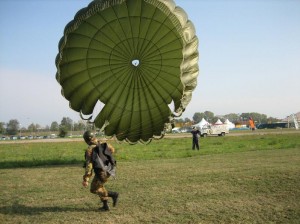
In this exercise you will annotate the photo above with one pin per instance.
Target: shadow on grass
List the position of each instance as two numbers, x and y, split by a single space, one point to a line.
18 209
37 163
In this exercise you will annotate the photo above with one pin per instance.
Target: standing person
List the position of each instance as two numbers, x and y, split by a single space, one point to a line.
251 124
98 157
195 132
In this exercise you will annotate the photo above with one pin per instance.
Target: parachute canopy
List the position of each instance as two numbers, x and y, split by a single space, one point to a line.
137 57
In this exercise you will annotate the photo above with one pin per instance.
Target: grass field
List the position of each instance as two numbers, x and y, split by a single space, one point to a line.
240 179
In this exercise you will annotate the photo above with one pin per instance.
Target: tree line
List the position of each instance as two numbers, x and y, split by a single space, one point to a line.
234 118
13 127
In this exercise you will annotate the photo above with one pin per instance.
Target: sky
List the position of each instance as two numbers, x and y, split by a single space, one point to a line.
249 58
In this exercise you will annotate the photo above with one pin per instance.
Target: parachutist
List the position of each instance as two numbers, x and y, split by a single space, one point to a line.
99 158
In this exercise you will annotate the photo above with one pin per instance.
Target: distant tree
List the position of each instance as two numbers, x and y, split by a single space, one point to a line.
258 118
62 131
38 127
232 117
67 123
47 128
12 127
209 116
197 117
2 127
213 120
54 126
245 116
32 127
272 120
79 126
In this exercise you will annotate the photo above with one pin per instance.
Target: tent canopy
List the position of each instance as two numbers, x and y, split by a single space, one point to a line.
219 122
229 124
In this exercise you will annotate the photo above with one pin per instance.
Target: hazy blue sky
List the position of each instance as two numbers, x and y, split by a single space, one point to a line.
249 57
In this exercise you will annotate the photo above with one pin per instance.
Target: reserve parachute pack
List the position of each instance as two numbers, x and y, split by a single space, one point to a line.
103 159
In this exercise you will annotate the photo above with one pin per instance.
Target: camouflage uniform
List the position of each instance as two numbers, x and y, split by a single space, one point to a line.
101 174
97 185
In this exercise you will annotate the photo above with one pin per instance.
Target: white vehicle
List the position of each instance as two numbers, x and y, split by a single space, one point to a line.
53 136
220 130
176 130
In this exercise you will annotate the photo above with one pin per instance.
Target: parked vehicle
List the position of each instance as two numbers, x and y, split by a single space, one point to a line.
219 130
176 130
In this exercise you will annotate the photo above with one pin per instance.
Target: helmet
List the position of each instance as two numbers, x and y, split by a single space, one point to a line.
87 136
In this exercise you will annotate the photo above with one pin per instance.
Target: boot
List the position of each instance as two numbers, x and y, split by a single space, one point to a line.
114 196
105 206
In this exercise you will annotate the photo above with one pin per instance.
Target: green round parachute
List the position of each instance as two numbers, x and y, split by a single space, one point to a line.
137 57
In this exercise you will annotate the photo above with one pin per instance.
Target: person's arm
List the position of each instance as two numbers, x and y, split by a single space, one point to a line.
88 167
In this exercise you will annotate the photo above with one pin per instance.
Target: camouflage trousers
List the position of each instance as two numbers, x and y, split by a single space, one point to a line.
97 187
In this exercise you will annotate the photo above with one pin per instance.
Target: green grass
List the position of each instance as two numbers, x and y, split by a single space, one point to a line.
40 154
241 179
63 153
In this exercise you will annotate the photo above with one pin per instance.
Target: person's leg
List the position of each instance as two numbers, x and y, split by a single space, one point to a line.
114 196
98 188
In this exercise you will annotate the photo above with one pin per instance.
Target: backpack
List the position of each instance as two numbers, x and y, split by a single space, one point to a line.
102 159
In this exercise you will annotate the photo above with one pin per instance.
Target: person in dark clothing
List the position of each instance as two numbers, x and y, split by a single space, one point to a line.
195 132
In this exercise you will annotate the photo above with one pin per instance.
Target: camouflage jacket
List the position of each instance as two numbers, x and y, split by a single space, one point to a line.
99 158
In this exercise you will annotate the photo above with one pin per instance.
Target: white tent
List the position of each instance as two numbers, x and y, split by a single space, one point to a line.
202 123
229 124
219 122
